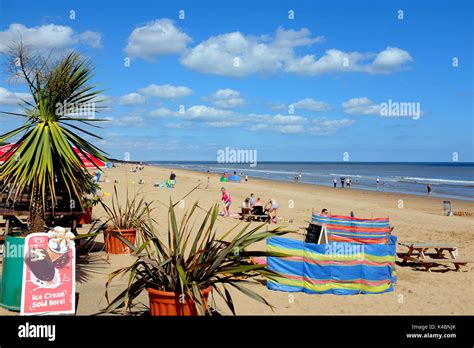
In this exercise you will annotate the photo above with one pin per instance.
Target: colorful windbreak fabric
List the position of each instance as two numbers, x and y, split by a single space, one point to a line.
354 230
335 268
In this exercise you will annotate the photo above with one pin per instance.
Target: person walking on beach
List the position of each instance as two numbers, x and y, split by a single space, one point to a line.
227 201
428 189
348 183
342 181
335 182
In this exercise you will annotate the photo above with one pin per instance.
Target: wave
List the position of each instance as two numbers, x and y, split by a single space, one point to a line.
348 175
435 181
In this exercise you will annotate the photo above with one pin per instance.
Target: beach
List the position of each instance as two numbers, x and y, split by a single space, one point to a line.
414 218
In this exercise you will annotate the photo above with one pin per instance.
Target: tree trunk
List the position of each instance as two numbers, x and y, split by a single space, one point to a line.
37 213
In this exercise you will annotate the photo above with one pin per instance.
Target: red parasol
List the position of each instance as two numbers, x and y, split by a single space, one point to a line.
94 163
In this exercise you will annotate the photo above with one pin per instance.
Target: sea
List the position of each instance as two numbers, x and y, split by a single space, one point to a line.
453 180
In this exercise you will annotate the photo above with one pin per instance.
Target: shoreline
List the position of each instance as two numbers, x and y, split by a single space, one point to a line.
354 187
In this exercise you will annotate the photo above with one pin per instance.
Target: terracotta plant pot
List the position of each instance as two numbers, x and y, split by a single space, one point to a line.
164 303
86 218
113 245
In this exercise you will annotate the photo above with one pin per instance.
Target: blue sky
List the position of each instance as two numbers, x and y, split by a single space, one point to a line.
242 74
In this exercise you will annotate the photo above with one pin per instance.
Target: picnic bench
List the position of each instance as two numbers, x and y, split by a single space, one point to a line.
249 214
429 255
19 219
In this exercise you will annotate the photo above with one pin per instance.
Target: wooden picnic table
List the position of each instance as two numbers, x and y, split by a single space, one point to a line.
16 217
420 254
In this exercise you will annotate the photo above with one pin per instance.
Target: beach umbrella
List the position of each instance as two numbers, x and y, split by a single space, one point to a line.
91 162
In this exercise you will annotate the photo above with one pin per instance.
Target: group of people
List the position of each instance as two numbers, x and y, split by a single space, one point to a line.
344 181
137 168
255 205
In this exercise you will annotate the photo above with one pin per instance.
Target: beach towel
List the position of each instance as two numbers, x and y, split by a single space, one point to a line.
337 268
354 230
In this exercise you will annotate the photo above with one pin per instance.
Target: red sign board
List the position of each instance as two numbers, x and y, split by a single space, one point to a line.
49 273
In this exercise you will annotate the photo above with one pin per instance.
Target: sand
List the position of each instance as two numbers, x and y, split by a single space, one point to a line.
415 218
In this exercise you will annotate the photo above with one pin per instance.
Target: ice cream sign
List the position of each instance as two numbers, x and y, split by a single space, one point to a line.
49 273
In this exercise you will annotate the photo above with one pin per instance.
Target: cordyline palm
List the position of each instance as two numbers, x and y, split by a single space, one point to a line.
194 259
42 161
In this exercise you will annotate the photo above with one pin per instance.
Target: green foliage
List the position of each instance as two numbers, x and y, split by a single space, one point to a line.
42 162
195 259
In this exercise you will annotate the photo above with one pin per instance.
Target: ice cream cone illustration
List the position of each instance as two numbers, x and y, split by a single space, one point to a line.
40 264
58 246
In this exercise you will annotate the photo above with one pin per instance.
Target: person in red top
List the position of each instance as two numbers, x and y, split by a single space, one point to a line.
227 201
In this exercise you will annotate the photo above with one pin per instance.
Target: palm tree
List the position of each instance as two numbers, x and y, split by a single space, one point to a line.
42 162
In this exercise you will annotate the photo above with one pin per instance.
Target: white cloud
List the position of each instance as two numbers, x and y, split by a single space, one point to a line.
91 38
277 106
128 120
227 98
213 117
177 125
131 98
279 123
391 59
312 105
12 98
166 91
45 38
156 38
285 129
324 126
222 124
292 124
361 106
235 54
162 112
206 113
336 61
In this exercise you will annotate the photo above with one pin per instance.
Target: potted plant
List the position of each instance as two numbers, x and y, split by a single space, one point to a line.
88 204
123 223
42 163
181 274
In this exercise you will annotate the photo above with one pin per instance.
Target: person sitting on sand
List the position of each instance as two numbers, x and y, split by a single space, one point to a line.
271 207
258 202
227 201
324 212
246 203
